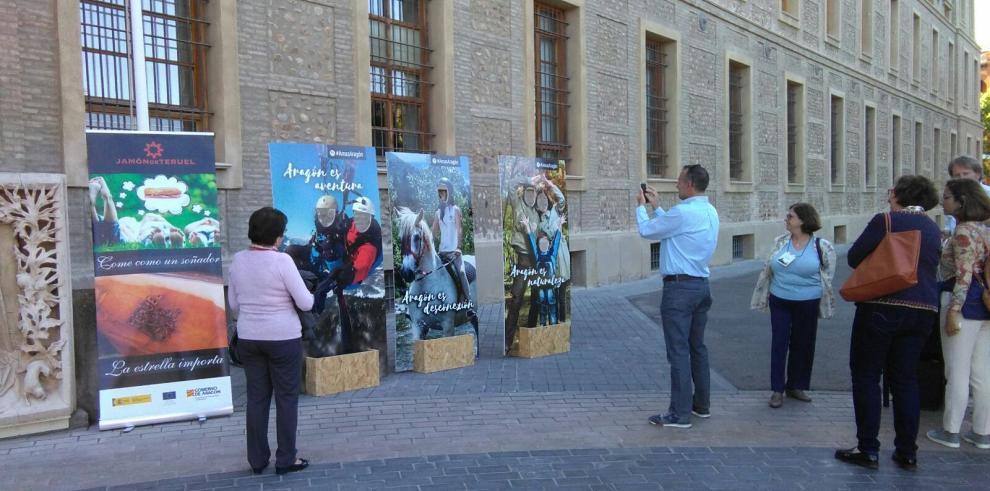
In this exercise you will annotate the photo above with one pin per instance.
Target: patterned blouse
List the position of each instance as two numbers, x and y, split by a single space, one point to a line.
963 258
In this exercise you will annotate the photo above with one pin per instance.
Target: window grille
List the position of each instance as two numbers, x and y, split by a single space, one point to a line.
175 64
738 247
551 83
895 145
793 94
936 145
870 146
919 164
399 76
735 121
657 60
835 138
654 256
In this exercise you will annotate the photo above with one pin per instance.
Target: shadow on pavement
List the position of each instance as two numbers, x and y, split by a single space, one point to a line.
738 338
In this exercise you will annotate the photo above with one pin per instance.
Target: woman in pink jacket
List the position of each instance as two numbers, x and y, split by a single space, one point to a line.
264 290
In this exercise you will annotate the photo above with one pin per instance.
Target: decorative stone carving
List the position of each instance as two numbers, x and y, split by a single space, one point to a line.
36 348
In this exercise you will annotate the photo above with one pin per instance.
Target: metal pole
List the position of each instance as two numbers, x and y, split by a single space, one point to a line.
138 66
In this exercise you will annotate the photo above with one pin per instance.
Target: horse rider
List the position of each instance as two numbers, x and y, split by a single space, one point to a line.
447 226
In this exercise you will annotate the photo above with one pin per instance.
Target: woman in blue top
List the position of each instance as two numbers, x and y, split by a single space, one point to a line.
796 285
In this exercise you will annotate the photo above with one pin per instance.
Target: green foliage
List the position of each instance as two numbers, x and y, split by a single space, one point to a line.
201 189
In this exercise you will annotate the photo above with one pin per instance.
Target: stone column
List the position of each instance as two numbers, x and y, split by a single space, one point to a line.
37 381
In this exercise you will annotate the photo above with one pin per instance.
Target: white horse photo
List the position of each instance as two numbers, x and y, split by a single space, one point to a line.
428 279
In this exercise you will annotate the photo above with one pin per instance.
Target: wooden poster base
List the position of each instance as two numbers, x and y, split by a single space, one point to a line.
433 355
535 342
333 374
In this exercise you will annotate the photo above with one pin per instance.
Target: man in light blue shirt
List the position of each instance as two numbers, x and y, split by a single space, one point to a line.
688 233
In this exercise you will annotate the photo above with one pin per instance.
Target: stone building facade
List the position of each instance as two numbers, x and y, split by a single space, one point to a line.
287 71
868 108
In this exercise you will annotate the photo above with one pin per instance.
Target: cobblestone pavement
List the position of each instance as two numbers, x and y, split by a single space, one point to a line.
571 421
704 468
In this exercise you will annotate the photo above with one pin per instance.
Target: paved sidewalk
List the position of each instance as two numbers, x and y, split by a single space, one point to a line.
703 468
572 421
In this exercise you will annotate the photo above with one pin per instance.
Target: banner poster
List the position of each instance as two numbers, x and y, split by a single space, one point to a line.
432 250
160 311
334 235
534 244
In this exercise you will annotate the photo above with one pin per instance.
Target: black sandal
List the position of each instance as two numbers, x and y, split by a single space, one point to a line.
299 465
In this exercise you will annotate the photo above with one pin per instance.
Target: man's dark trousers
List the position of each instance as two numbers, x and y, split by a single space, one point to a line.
271 366
684 312
887 339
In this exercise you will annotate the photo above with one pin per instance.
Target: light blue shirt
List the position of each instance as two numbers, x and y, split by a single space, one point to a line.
801 279
688 233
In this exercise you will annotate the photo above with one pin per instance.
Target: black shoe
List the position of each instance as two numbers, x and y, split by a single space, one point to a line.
857 457
906 463
298 466
259 470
